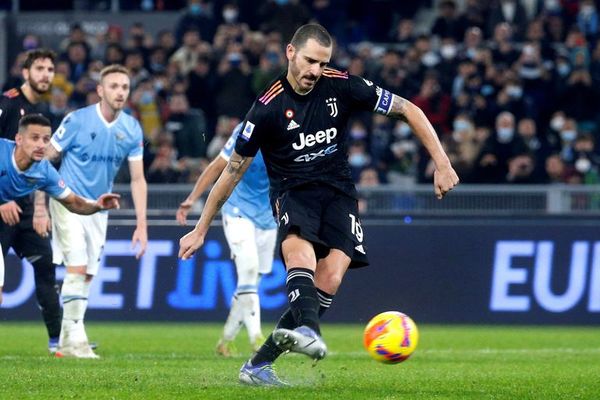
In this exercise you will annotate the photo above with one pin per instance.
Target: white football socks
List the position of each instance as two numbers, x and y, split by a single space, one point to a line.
75 292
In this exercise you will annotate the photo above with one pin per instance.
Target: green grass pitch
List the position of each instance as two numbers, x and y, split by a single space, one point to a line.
177 361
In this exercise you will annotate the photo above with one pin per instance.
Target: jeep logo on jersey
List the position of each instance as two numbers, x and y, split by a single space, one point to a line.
310 140
313 156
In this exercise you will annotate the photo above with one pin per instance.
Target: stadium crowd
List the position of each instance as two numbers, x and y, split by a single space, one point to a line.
511 86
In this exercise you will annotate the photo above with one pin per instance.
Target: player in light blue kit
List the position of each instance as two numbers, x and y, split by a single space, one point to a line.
23 170
251 233
93 142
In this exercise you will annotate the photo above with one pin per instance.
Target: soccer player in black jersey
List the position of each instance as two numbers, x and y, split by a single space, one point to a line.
23 225
299 124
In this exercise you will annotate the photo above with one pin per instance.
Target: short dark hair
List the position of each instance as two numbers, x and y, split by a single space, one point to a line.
33 119
311 31
37 54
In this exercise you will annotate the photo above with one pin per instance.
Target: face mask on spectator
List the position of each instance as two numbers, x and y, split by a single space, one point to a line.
460 125
557 123
505 135
448 51
552 5
30 44
430 59
563 69
583 165
95 75
358 160
230 15
402 130
587 10
568 135
514 91
358 133
471 53
195 9
146 97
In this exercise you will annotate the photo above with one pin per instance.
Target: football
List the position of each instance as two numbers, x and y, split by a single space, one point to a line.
391 337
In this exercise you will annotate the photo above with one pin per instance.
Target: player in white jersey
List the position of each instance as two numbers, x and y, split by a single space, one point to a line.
24 170
93 142
251 233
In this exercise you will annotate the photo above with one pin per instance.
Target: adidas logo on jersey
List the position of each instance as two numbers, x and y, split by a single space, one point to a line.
292 125
360 249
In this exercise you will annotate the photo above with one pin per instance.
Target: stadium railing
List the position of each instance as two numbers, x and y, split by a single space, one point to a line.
401 201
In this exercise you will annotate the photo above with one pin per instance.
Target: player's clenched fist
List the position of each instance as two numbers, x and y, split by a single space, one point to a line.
444 179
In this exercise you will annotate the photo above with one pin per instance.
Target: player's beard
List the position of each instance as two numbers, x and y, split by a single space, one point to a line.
298 76
36 87
116 106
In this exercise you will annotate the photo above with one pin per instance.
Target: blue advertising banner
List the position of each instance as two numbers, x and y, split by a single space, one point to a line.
542 272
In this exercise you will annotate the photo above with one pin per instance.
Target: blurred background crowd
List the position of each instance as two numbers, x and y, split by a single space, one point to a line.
511 86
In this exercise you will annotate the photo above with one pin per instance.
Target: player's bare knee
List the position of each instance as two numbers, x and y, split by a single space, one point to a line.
299 258
328 280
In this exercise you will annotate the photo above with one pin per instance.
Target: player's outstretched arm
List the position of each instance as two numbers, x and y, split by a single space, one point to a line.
444 177
207 178
83 206
231 175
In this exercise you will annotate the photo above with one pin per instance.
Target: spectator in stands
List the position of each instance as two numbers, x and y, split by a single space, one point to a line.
536 144
449 24
588 20
283 16
188 128
580 97
404 32
198 17
503 49
502 146
57 108
556 170
358 158
510 11
134 61
166 40
270 65
521 169
463 147
225 125
200 90
114 54
434 103
586 159
233 89
186 56
76 35
400 161
146 106
77 56
164 168
369 178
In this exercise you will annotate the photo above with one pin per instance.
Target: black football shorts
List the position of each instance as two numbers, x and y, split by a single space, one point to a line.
326 217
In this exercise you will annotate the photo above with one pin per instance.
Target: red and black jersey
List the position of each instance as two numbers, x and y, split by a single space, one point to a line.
303 137
13 106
